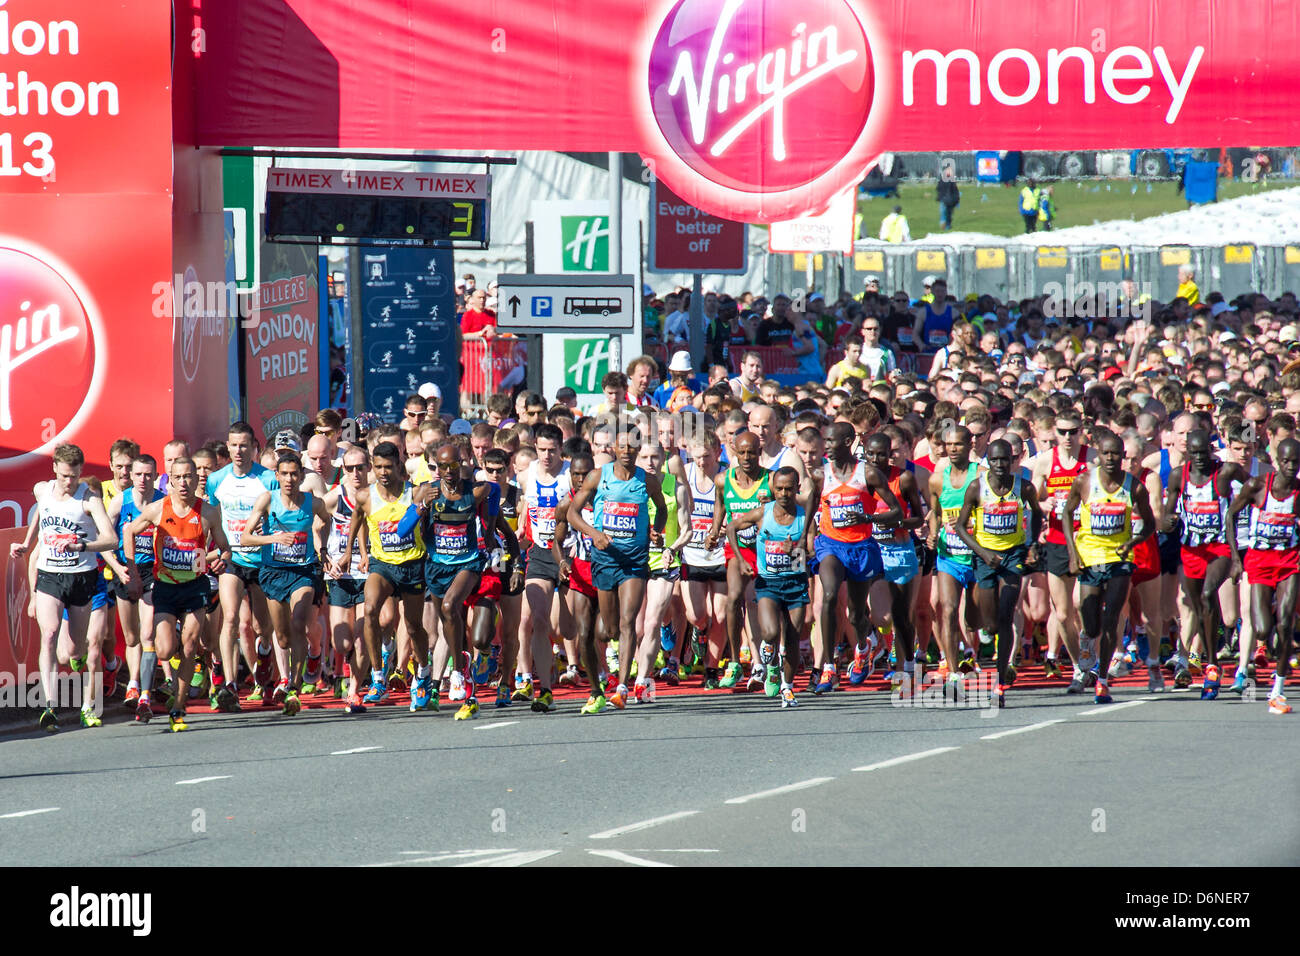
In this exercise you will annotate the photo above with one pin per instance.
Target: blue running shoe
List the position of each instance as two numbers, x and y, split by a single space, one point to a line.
494 661
1210 683
667 638
420 694
826 682
377 694
481 670
503 697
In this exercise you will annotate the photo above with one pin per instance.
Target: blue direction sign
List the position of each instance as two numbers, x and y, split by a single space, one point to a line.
408 327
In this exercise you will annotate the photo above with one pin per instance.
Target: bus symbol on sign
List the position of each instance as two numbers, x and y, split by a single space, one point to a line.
575 305
542 306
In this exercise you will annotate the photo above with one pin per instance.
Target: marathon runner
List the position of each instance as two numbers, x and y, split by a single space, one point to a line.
1272 561
185 531
70 526
955 565
281 524
783 541
134 596
704 569
347 589
1109 501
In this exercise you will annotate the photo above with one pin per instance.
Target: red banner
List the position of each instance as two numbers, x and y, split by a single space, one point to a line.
282 344
756 110
85 233
685 239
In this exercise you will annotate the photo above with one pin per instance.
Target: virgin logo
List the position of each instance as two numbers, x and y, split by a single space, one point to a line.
191 334
47 353
761 96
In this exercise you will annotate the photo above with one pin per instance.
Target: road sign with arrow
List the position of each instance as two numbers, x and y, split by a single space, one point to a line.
567 303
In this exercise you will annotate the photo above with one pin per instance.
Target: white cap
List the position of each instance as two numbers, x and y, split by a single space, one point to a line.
870 279
1227 336
286 439
681 362
929 281
430 390
1219 387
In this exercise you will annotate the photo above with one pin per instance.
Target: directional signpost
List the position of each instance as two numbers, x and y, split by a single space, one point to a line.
566 303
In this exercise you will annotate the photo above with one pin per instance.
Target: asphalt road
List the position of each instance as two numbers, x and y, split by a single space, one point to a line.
1150 780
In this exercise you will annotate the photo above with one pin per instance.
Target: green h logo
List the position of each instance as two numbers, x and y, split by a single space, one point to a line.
585 363
586 243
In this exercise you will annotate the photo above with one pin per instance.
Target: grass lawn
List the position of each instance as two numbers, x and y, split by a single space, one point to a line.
995 208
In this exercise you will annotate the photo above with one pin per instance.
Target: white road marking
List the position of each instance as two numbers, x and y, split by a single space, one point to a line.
626 858
777 791
438 858
184 783
1110 708
354 750
495 724
1022 730
27 813
895 761
686 850
643 825
514 859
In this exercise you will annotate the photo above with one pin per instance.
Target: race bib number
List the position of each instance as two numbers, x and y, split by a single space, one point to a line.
235 532
390 540
957 548
294 553
1002 518
1203 517
1108 517
905 335
1274 530
543 524
618 519
700 526
846 511
451 540
182 556
776 558
143 544
937 339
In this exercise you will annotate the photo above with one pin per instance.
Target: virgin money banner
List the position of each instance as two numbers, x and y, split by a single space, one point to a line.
85 234
755 110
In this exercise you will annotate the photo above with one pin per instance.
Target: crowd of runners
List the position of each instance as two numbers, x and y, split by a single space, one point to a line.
1103 497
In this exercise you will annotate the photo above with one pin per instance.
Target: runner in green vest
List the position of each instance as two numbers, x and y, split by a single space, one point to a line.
955 569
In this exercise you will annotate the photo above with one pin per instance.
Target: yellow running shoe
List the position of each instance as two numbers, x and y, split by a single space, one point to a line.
468 710
177 721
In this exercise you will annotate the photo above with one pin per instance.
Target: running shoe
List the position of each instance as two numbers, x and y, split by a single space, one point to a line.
1155 681
544 703
570 676
667 638
1120 667
90 719
310 683
1195 664
1261 655
503 697
1210 683
827 681
1239 682
670 675
1051 668
281 691
756 677
732 677
772 685
649 696
523 692
262 672
967 663
78 664
1090 678
611 657
788 698
1182 678
956 684
421 695
594 705
1278 705
1000 695
132 695
353 704
110 679
257 694
861 667
397 682
227 699
1077 686
143 709
468 710
292 705
1102 694
619 697
176 721
377 694
1012 674
48 722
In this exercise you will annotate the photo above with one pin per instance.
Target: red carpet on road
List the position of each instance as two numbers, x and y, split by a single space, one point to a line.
1031 677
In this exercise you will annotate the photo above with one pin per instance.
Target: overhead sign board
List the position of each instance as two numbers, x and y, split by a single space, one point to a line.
566 303
684 238
830 231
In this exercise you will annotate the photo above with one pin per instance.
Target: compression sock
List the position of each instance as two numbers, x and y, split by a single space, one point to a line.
148 666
